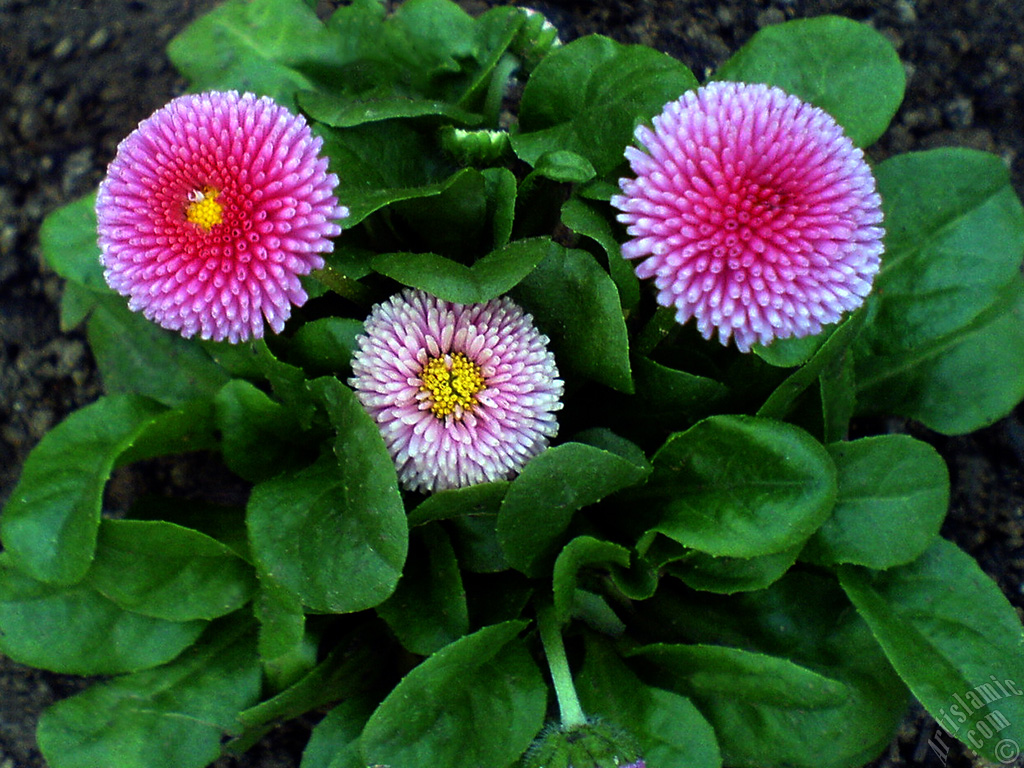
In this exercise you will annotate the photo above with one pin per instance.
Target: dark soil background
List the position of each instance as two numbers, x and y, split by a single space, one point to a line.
76 77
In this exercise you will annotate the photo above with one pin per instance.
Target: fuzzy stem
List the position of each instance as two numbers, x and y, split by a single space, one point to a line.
561 676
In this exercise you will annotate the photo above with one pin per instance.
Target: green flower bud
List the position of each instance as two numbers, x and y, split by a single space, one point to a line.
475 147
595 744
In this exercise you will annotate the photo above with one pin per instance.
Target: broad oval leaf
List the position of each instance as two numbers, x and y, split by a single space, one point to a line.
739 486
261 46
75 630
670 729
257 433
428 609
68 242
846 68
740 675
954 639
893 496
334 533
583 218
589 95
342 110
542 500
334 742
576 303
488 677
49 525
937 347
494 274
169 717
163 570
135 355
728 575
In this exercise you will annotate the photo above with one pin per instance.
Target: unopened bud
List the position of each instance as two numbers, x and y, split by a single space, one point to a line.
596 744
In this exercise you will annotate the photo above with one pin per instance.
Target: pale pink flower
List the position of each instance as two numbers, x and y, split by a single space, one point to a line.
753 212
211 210
462 393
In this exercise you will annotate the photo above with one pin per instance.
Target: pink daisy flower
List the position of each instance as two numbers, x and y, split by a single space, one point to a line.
753 212
463 393
211 210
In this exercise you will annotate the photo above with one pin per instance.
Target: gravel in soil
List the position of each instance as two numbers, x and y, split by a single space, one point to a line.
77 77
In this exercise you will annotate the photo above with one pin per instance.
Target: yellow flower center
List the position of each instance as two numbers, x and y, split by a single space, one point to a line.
452 381
203 208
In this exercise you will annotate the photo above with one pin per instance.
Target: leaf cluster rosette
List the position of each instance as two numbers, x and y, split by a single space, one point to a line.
736 581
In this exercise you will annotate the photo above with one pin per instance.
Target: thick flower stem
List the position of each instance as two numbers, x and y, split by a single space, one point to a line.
561 676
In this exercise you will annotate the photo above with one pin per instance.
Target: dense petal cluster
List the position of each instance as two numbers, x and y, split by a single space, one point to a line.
463 393
753 212
212 209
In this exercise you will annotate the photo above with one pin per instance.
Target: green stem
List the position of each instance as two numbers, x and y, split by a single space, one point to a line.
561 676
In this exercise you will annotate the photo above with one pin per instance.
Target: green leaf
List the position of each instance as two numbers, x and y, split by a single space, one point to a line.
381 164
739 486
472 514
49 524
428 609
670 729
326 345
168 572
482 498
454 221
262 46
335 532
485 678
727 575
255 361
67 240
580 553
170 717
287 650
953 638
584 219
742 676
224 523
187 428
577 305
501 199
542 500
803 617
893 496
944 342
666 396
258 433
137 356
341 110
564 166
835 342
75 630
334 742
352 668
494 274
588 96
846 68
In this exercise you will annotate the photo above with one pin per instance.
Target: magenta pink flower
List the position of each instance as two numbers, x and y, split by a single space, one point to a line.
463 393
753 212
211 210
